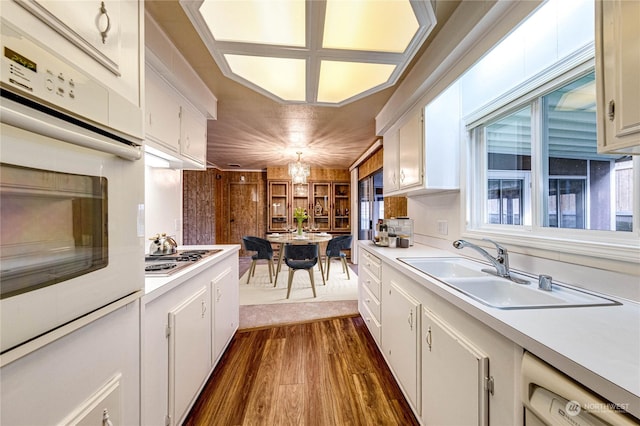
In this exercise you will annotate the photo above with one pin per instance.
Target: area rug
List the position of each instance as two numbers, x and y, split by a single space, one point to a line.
262 305
260 291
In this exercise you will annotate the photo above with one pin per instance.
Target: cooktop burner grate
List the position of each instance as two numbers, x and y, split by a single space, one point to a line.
159 267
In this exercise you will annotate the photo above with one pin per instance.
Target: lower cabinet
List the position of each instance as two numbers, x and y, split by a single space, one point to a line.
225 301
401 334
438 353
189 349
184 333
452 399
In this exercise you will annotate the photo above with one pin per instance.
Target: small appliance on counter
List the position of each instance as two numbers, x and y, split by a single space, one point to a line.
162 244
401 228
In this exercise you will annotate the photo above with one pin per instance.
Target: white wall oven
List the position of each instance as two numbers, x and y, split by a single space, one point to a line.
71 196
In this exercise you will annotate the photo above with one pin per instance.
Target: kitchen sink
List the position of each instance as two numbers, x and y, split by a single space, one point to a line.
467 276
445 267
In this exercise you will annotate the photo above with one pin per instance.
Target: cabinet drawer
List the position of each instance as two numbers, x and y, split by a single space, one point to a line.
372 324
368 281
371 302
371 264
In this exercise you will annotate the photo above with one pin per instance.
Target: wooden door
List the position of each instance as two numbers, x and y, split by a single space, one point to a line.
243 212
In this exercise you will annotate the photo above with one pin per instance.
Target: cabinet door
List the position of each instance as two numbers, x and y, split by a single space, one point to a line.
454 390
342 206
618 56
400 336
322 205
189 351
410 143
279 215
225 309
162 113
391 166
193 135
106 32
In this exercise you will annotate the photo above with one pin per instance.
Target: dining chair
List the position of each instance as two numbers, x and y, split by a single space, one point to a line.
263 251
334 251
301 256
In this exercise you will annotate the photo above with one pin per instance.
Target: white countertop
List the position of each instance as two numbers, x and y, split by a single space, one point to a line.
597 346
156 286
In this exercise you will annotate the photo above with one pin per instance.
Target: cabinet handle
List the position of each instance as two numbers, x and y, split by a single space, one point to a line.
401 176
103 33
428 338
218 294
204 308
611 113
410 320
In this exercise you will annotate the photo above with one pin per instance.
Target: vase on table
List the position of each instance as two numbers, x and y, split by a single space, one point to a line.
300 227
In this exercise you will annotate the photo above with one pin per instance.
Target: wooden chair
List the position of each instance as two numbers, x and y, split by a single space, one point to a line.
301 256
334 251
263 251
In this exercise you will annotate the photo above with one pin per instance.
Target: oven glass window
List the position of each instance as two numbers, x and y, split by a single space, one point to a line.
53 227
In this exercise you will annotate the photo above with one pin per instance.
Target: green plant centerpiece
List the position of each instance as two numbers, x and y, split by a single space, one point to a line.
300 215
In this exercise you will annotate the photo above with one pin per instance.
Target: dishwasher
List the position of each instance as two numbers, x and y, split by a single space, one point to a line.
552 398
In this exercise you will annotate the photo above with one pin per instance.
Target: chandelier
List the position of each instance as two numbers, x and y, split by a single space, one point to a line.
299 171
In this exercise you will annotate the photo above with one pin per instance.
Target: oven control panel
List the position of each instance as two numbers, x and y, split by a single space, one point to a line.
35 73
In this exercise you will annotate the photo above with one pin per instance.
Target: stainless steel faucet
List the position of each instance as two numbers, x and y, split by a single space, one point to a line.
500 262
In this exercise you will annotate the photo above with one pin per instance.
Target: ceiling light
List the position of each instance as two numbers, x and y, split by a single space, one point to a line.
328 52
299 171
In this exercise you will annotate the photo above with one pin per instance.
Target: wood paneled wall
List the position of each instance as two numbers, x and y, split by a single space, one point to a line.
198 207
207 206
333 175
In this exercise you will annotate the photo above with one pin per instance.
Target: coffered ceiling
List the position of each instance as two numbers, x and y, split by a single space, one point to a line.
253 131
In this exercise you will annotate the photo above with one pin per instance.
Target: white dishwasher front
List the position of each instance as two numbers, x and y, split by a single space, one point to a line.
551 398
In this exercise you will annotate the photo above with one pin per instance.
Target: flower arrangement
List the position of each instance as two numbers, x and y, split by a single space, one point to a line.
299 214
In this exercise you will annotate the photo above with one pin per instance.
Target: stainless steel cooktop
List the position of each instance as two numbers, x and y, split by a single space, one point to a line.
168 264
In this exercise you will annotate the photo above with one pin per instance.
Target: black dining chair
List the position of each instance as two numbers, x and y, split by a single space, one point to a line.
334 251
263 251
301 256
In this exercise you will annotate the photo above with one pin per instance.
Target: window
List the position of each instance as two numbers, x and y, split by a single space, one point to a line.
546 149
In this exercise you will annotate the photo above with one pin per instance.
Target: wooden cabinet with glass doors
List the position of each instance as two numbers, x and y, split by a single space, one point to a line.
326 199
279 206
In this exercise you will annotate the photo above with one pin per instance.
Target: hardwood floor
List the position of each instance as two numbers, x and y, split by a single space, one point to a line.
327 372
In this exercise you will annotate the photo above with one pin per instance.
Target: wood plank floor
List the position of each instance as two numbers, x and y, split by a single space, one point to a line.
327 372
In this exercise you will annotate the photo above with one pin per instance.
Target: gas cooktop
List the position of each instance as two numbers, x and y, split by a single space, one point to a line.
167 264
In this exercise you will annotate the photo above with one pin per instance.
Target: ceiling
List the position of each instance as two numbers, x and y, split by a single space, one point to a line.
253 131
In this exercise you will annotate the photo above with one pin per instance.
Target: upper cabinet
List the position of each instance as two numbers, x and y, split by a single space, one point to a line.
421 151
97 54
617 69
178 104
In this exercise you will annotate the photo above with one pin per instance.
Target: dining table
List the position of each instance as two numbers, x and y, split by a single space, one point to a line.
293 238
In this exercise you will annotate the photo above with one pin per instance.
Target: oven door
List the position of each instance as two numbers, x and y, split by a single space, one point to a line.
34 306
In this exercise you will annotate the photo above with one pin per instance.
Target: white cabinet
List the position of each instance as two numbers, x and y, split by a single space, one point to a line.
189 350
101 39
225 302
452 399
193 134
185 330
411 152
369 289
438 353
421 153
162 113
66 381
401 334
390 166
617 70
173 126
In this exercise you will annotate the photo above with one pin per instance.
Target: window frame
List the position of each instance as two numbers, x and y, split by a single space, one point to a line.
625 245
